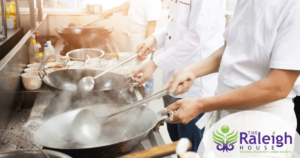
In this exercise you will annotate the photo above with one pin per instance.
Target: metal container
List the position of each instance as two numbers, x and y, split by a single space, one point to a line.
80 54
94 9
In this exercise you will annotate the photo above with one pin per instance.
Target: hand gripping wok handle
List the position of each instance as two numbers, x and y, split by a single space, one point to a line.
26 128
116 66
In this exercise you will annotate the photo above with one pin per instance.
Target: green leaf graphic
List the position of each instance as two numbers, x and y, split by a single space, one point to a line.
273 132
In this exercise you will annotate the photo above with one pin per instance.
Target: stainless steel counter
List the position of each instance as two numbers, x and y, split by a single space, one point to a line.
10 34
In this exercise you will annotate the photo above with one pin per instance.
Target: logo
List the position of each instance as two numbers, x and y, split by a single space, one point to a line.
225 142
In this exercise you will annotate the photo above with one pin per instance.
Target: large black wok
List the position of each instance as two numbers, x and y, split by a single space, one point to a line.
67 80
119 134
87 37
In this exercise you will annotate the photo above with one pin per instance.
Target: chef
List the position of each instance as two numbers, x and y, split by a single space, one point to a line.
193 32
142 19
257 67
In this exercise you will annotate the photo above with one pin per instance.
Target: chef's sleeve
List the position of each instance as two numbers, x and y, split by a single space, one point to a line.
286 49
160 36
153 10
185 48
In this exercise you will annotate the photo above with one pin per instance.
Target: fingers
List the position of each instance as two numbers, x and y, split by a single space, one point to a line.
137 72
173 106
169 82
141 58
142 80
143 51
182 88
139 48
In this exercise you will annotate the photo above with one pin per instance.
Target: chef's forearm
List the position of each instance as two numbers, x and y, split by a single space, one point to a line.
208 65
272 88
150 28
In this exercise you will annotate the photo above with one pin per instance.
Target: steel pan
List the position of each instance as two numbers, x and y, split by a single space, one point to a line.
67 80
87 37
120 134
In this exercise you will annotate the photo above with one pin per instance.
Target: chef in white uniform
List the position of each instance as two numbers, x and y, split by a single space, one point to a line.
193 32
142 18
257 67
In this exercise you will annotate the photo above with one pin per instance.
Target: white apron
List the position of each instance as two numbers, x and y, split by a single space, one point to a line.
136 35
283 108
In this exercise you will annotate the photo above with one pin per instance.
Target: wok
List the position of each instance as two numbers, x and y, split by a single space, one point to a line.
67 80
87 37
120 134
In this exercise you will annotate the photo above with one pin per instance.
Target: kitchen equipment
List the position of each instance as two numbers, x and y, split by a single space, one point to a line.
86 37
37 65
164 150
31 69
87 83
67 80
119 134
86 126
31 80
94 9
99 64
81 54
89 59
122 71
124 55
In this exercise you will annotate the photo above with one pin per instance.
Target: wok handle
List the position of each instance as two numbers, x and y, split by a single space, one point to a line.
141 102
116 66
26 128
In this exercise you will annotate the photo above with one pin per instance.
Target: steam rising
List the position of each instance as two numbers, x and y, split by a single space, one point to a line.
56 131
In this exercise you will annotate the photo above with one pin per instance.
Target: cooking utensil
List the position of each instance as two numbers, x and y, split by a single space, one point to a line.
164 150
86 126
81 54
120 134
86 37
87 83
88 58
67 80
99 63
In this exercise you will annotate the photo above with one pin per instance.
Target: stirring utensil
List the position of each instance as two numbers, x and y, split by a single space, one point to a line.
88 83
99 63
89 59
73 26
86 127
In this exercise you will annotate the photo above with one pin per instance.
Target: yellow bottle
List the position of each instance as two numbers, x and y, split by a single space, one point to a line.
12 11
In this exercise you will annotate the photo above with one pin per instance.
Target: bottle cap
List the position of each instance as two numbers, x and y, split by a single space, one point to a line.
45 45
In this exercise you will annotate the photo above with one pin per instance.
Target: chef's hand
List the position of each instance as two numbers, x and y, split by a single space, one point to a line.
147 69
146 47
180 82
187 110
107 14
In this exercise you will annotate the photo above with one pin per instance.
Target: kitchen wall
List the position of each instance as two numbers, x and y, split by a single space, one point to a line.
118 21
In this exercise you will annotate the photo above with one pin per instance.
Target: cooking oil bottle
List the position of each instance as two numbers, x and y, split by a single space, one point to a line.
33 51
12 11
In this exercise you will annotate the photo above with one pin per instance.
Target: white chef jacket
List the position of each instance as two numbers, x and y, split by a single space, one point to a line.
194 31
139 14
262 35
143 11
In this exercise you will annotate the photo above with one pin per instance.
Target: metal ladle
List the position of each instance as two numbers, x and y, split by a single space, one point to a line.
88 83
86 126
